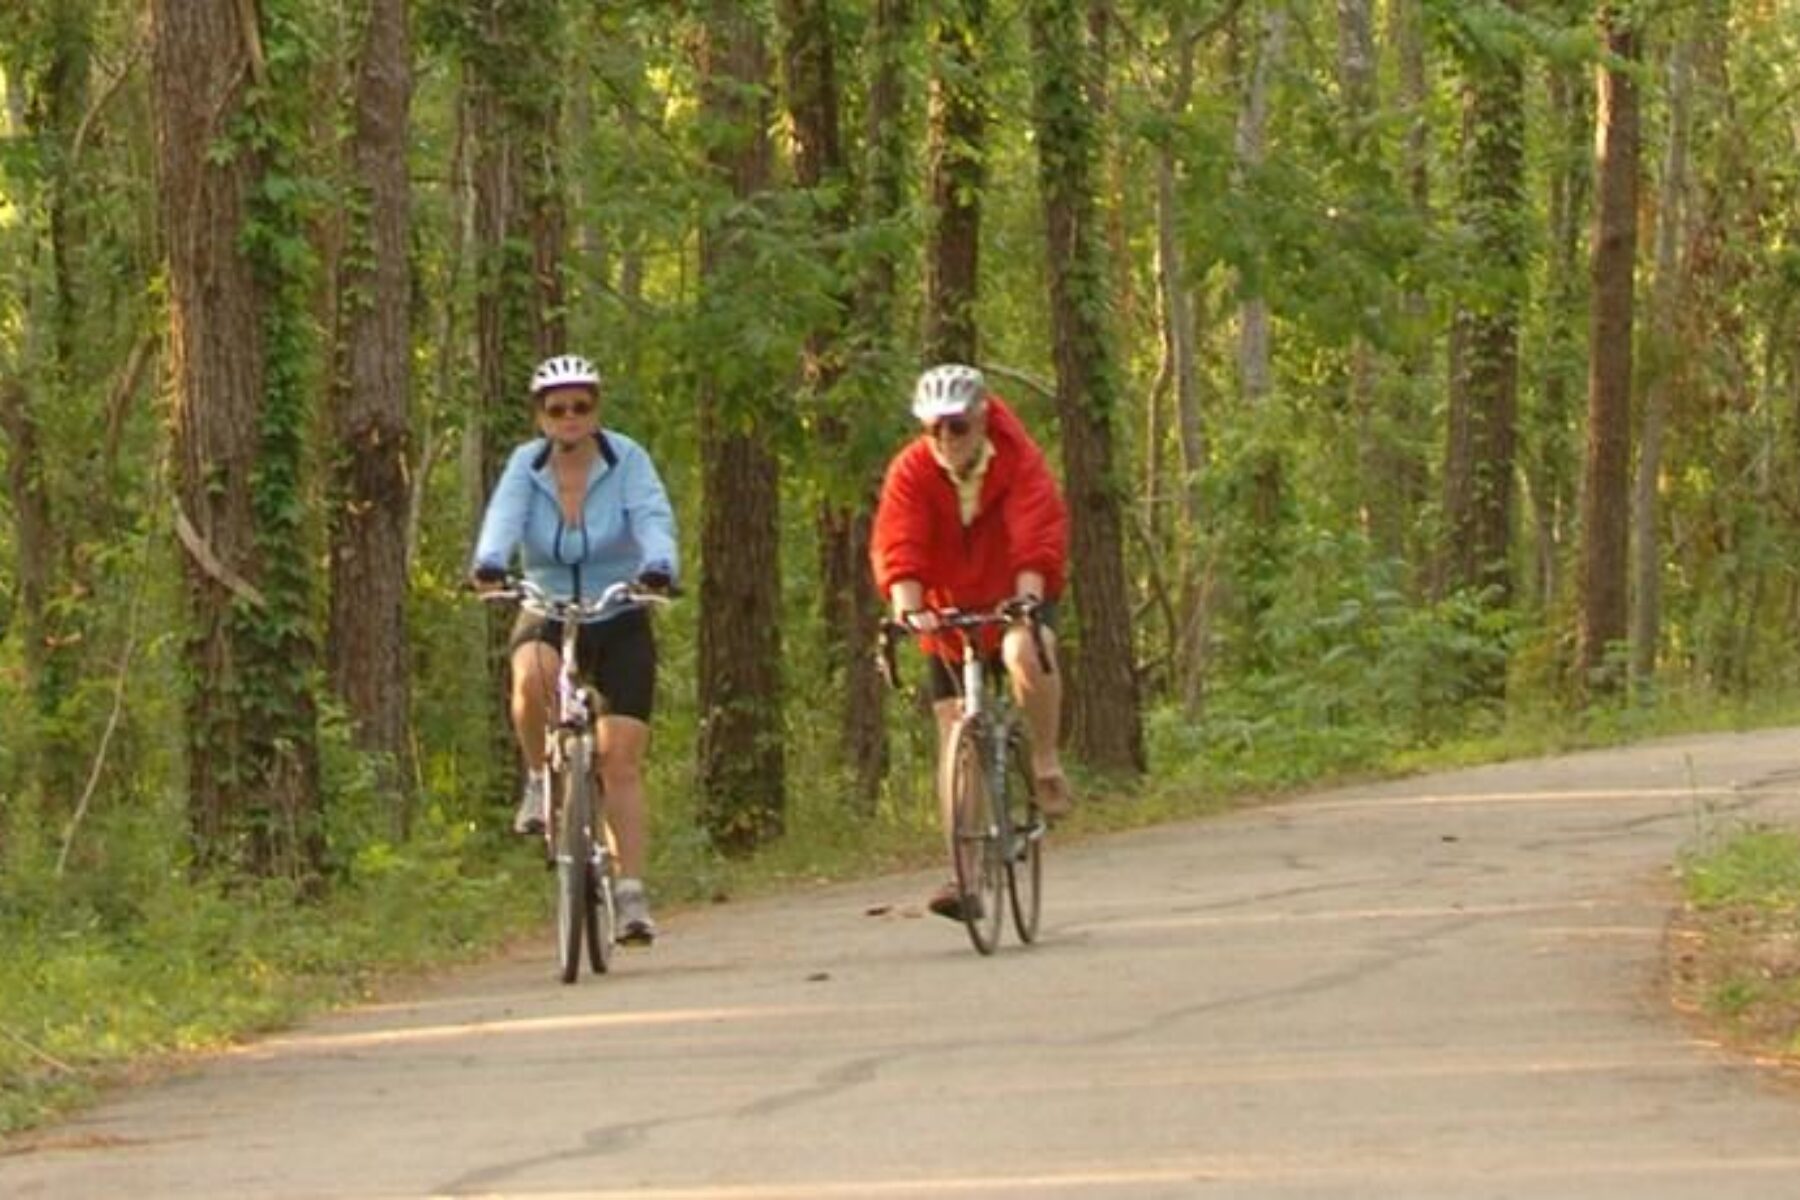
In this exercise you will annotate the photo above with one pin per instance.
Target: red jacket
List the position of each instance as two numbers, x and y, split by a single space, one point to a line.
1020 522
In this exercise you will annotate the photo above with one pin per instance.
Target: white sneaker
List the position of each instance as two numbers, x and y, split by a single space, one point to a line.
635 925
534 805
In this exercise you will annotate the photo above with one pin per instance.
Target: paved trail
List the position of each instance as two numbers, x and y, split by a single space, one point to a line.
1446 987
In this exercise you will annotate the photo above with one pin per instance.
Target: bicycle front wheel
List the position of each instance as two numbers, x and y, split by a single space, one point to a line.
1025 859
575 895
975 848
603 923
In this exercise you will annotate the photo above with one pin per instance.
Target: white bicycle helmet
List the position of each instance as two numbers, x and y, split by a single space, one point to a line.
564 370
947 390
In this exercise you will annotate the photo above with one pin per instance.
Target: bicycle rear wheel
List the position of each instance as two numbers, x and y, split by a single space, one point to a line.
975 838
575 896
1025 862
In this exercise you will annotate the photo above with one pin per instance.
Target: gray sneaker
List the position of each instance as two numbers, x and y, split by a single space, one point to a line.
534 806
635 926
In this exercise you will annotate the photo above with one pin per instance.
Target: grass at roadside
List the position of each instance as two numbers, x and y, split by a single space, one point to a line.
1735 947
104 981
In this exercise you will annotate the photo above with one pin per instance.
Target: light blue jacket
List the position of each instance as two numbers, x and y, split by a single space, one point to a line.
627 522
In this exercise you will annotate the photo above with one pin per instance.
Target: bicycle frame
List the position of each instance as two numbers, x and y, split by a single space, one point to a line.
992 710
578 705
988 716
576 838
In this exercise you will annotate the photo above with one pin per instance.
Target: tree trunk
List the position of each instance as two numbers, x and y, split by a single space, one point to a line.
513 98
1606 485
1386 515
1356 61
1484 373
1254 550
1182 371
1549 464
1105 714
742 766
878 353
503 347
1405 472
47 90
1661 368
887 159
956 171
546 217
252 751
371 394
33 531
851 614
1252 137
511 66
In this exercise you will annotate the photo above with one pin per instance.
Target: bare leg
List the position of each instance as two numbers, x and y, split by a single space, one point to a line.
534 667
1039 695
946 712
624 742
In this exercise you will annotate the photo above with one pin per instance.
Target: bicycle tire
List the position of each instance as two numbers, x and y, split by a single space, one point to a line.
975 852
1025 864
574 860
603 916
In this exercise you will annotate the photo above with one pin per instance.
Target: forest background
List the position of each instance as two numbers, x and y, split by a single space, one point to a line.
1423 374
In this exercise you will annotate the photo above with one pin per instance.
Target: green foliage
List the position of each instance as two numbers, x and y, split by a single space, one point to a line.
134 961
1742 885
1490 31
1354 675
1758 867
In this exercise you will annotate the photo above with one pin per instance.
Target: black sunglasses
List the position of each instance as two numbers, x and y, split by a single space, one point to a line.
954 426
575 408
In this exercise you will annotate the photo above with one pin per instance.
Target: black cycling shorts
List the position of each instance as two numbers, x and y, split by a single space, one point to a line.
944 675
618 656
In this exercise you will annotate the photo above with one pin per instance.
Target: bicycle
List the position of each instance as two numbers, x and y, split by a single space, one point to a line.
575 839
997 831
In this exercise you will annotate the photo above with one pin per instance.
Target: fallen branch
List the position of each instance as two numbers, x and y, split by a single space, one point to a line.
259 66
106 735
1041 387
35 1052
107 92
209 562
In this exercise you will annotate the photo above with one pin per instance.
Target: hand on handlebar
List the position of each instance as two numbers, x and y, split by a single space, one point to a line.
487 578
1022 607
919 620
657 577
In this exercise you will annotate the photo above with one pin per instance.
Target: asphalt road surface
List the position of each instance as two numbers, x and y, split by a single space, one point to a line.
1443 987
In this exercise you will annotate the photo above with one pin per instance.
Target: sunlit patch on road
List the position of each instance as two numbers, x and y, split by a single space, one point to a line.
1447 799
509 1027
1456 1173
1422 912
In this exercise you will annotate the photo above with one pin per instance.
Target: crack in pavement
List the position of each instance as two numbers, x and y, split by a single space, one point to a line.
622 1136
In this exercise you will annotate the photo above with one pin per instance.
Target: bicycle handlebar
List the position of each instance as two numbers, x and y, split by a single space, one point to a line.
1009 613
535 599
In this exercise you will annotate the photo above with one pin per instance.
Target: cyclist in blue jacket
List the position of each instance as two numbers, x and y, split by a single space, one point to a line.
583 508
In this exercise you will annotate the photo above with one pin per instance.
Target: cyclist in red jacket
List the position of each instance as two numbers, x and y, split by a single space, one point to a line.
970 517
